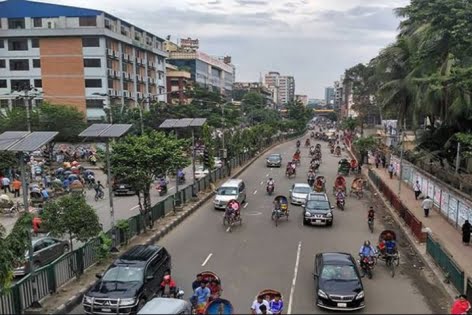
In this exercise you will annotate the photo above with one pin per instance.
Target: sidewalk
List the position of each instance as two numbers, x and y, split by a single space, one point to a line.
450 237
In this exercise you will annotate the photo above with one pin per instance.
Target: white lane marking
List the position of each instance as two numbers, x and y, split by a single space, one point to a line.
228 229
254 213
262 182
131 209
255 192
207 259
245 206
267 175
171 188
294 281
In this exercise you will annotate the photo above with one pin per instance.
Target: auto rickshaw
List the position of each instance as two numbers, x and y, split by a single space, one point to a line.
320 184
357 187
344 167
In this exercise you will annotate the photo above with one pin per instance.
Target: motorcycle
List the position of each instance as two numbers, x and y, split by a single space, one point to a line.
166 293
340 202
270 189
162 189
181 179
367 266
311 181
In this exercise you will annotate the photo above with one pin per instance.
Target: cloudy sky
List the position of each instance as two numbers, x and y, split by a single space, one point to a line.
313 40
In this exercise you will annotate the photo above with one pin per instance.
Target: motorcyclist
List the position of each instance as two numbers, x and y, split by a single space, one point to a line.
298 143
98 189
270 183
371 213
367 250
163 183
180 175
340 195
390 245
168 286
311 178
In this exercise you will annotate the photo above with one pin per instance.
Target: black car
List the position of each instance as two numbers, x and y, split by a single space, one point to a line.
274 160
318 211
132 280
338 282
122 187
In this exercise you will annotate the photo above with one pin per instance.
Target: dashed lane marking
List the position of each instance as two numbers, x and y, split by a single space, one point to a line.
294 281
255 192
207 259
245 205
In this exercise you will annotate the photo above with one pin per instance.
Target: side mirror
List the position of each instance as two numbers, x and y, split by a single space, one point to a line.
99 275
332 207
180 294
303 205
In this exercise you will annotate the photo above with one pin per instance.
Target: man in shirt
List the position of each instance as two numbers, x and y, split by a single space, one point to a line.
202 294
16 185
255 308
45 194
6 184
390 170
427 204
417 189
197 282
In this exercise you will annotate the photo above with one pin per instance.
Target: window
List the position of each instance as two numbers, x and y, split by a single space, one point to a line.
39 246
88 21
3 84
49 242
92 63
36 63
37 22
2 45
18 44
16 23
2 63
35 43
90 42
19 85
19 64
93 83
38 83
109 64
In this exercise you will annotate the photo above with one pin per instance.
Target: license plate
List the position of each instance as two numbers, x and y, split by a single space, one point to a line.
122 186
109 309
317 221
342 304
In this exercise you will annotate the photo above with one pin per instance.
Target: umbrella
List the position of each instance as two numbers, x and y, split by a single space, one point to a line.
75 163
67 173
66 165
73 177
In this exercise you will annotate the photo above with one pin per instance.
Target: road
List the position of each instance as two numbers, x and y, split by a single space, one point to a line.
258 255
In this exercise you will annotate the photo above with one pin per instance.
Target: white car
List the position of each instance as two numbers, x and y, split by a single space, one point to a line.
218 162
200 172
299 193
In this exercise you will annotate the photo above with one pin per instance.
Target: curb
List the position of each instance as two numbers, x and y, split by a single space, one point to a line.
411 238
180 216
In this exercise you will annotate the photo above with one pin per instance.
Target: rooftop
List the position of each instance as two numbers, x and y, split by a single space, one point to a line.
23 8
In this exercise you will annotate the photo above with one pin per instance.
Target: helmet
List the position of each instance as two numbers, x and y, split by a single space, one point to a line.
167 277
270 178
367 243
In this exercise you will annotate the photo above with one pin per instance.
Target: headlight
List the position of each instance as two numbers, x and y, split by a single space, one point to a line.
322 294
329 214
126 302
87 300
360 295
307 214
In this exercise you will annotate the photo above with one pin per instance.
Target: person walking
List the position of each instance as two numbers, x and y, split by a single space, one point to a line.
6 184
460 306
417 189
427 204
16 185
466 229
390 170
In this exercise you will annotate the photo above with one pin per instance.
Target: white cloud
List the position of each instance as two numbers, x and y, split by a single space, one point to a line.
314 40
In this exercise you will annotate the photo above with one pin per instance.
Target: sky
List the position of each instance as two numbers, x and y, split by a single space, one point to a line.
312 40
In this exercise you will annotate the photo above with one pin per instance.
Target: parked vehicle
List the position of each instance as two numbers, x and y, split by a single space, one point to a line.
122 187
166 306
129 282
201 172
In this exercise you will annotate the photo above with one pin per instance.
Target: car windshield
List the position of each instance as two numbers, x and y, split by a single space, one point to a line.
339 273
302 190
274 157
227 191
124 274
317 205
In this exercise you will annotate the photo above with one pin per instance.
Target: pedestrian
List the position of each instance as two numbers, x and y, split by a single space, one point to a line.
466 229
16 185
460 306
377 161
427 204
6 184
384 161
417 189
390 170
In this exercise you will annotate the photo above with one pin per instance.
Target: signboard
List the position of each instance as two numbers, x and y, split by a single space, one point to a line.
452 208
445 202
463 213
189 43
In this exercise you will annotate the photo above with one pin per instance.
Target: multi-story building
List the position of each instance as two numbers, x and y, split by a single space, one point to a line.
79 57
283 85
329 95
338 94
179 82
240 89
302 99
215 73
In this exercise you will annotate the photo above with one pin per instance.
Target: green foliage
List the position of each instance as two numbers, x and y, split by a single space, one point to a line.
123 226
13 248
465 140
104 246
299 113
71 215
365 144
7 160
350 123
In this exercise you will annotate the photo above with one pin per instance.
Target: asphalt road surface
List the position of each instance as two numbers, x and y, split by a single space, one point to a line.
259 255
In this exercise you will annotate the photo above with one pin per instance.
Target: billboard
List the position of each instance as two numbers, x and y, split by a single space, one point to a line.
189 43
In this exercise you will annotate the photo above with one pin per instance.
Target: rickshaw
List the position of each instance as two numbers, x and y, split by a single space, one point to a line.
296 158
220 307
210 276
207 276
357 188
354 166
36 199
269 295
318 147
229 219
312 151
337 151
278 213
320 184
339 182
391 260
344 167
76 187
7 206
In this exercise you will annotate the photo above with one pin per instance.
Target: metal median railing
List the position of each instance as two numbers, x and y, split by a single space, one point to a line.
51 277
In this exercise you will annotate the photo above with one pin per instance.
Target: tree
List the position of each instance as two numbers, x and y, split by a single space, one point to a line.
7 160
139 159
465 139
13 248
350 123
71 215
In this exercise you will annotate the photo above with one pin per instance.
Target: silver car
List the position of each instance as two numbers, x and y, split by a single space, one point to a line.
166 306
299 193
46 249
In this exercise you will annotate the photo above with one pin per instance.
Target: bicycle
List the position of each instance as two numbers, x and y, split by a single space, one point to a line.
99 195
392 261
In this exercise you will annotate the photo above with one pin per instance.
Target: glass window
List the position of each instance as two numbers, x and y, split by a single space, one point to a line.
39 245
227 191
17 44
49 242
92 63
35 43
302 190
88 21
19 85
36 63
2 44
109 64
339 272
3 84
16 23
19 64
124 274
37 22
90 42
2 63
38 83
93 83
